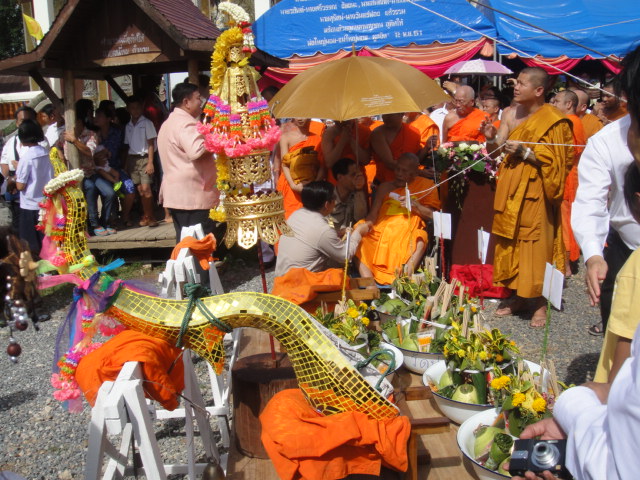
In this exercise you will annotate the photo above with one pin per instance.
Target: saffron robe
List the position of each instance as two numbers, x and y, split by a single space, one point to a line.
407 140
427 129
591 124
570 189
361 133
527 222
467 129
291 199
393 237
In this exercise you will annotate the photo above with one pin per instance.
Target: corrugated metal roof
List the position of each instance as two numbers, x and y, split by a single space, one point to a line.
187 18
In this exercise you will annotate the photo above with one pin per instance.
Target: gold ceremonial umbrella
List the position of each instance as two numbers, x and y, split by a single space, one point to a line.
355 87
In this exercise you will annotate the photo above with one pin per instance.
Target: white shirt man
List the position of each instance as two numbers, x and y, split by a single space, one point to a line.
599 206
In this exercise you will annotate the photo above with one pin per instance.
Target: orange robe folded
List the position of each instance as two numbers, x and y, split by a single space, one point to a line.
407 140
591 124
156 357
427 129
201 249
393 237
467 129
291 199
304 444
570 189
527 222
299 285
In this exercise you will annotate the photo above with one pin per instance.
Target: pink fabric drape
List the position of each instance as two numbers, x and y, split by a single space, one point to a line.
565 63
432 59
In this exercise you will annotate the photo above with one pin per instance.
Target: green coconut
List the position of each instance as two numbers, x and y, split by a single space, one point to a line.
484 439
445 380
466 393
502 470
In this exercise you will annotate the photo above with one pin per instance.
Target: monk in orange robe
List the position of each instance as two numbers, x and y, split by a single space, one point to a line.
590 122
613 108
302 163
463 123
527 223
491 107
429 131
389 141
567 101
397 237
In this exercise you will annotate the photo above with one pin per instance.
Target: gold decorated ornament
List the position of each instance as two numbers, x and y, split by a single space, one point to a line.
253 217
239 129
254 168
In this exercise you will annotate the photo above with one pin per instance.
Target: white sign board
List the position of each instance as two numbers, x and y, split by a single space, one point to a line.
442 225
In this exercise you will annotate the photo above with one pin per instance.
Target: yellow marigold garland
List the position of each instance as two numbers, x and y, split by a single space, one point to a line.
230 37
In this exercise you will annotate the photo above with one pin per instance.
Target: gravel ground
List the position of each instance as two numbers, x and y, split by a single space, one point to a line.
40 440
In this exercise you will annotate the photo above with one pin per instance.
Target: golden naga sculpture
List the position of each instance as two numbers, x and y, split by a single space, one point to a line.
328 379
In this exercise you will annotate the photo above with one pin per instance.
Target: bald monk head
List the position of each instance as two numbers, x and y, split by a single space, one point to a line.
491 106
531 86
566 101
464 100
610 101
406 169
392 120
583 101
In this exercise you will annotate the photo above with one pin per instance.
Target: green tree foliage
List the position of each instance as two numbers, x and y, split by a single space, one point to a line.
11 29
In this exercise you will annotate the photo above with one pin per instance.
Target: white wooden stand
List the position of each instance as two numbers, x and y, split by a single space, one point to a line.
183 269
121 409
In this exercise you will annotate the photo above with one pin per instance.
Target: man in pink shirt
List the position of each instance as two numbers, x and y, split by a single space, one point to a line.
188 187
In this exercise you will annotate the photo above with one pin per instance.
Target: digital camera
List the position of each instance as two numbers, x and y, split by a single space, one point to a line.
538 456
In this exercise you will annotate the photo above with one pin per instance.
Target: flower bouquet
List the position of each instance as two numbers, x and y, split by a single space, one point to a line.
350 324
472 357
464 157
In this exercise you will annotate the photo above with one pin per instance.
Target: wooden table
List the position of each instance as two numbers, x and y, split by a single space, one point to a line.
446 461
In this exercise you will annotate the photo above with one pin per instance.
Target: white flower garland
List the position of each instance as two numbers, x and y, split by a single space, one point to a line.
62 180
230 15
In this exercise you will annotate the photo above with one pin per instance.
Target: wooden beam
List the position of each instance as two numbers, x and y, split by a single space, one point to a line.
73 157
192 65
116 88
46 88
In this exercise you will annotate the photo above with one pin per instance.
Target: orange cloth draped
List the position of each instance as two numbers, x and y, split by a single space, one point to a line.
527 222
299 285
155 356
316 128
201 249
393 238
570 189
291 199
304 444
591 124
407 140
468 128
496 124
427 129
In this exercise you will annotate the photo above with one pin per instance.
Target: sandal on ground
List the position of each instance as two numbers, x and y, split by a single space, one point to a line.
596 330
111 231
99 232
151 223
144 221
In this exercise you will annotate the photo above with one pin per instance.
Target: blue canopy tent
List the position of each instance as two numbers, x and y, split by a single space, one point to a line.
307 27
421 33
598 30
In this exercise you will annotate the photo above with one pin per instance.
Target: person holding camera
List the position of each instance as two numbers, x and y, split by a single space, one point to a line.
601 421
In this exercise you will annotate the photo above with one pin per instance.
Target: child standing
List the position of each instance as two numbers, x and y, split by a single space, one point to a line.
33 172
140 136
